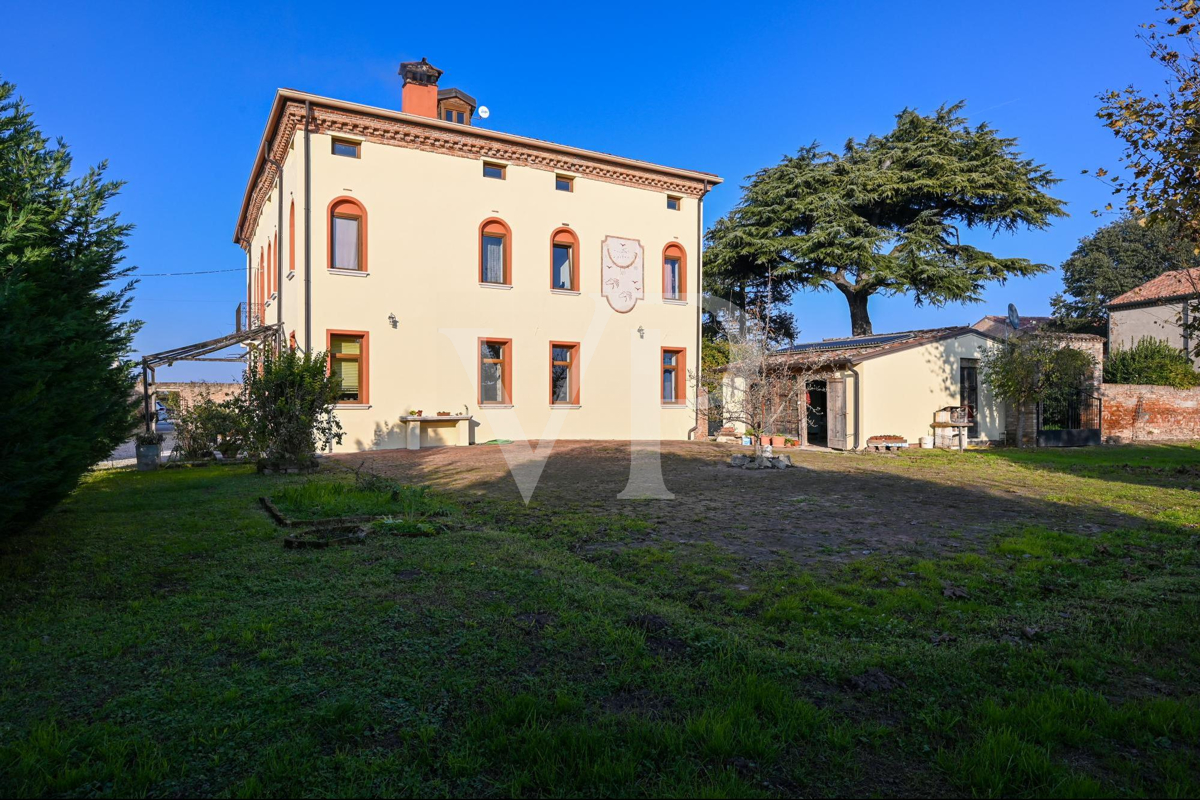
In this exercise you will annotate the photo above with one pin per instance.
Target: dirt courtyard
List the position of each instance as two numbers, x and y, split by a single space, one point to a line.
833 507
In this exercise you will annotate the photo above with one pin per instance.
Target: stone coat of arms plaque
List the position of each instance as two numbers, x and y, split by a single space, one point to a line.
622 269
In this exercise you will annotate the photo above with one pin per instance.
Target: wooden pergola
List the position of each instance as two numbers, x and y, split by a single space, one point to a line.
263 335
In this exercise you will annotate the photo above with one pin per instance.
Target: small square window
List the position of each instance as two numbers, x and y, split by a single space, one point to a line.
459 117
673 203
564 184
344 148
449 115
493 171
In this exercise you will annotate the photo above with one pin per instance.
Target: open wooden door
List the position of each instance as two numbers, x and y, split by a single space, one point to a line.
836 399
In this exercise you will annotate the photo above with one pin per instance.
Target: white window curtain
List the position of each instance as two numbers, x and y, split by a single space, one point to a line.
345 243
672 277
493 259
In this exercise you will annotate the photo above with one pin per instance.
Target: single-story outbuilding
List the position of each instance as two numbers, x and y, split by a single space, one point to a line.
890 385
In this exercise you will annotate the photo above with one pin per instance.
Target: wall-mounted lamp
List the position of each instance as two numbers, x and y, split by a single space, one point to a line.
392 319
641 332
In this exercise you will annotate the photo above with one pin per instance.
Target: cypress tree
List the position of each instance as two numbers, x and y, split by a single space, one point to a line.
66 395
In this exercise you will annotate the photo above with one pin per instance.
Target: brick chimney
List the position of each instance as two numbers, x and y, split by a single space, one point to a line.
420 95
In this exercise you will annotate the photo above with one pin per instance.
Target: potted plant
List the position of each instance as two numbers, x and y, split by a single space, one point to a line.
415 413
149 449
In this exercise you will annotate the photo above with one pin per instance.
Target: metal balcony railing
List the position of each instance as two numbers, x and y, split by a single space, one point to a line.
249 316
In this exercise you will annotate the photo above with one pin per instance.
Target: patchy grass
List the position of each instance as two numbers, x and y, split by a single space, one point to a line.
157 639
326 498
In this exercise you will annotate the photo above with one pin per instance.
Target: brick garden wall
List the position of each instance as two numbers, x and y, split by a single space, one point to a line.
191 391
1136 413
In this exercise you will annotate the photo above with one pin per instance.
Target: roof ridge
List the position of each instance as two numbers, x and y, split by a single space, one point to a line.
1175 283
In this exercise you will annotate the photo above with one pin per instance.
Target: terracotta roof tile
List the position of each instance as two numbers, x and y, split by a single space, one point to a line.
1175 284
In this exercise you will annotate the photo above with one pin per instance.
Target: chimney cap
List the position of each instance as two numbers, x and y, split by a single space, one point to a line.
420 72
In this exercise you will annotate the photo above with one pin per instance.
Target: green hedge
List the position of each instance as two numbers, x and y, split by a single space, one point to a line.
1153 362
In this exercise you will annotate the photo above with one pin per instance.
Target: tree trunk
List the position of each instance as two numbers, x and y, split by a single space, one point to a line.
860 320
1020 426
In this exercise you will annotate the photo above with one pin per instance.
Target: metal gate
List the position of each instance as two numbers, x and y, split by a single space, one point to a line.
1072 420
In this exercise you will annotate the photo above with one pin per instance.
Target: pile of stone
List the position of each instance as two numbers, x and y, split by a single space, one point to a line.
760 462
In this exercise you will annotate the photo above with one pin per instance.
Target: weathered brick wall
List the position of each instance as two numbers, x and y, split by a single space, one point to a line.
191 391
1137 413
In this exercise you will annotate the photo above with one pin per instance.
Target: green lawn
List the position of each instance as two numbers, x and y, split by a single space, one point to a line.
157 639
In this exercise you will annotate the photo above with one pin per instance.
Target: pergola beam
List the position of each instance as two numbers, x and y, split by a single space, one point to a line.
200 351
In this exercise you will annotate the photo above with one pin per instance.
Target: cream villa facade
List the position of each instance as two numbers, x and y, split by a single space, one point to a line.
542 290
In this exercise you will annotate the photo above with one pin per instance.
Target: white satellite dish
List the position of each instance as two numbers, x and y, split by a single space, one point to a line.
483 112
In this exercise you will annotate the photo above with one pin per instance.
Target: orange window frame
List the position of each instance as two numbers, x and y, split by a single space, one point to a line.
506 371
674 250
572 366
568 180
680 370
494 226
569 237
346 208
364 364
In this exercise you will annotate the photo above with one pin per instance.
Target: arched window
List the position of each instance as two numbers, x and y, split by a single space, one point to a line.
262 272
347 235
270 268
292 237
674 272
564 261
495 252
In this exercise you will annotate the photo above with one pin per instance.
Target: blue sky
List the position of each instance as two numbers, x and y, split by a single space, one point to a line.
175 97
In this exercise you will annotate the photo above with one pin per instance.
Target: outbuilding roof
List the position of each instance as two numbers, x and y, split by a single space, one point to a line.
856 349
1175 285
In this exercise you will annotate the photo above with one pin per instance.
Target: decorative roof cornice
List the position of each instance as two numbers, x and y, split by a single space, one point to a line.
435 136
